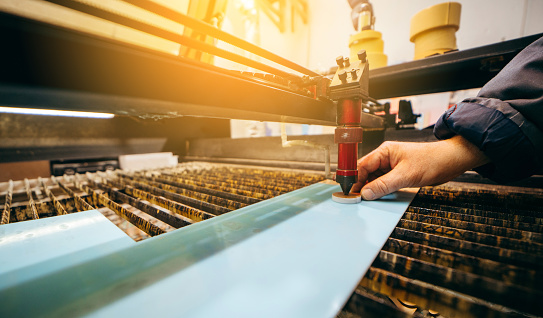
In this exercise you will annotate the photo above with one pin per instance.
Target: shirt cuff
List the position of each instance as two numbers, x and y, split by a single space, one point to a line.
513 156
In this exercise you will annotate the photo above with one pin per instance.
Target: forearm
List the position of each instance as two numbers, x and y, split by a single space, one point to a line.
396 165
505 121
454 157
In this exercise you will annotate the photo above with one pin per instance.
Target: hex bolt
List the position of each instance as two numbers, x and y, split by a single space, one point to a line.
353 74
342 76
339 61
362 55
346 62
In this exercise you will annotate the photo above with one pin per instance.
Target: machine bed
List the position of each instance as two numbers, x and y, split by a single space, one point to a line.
459 249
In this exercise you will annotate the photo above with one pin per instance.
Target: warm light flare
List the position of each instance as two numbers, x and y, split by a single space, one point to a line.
247 4
50 112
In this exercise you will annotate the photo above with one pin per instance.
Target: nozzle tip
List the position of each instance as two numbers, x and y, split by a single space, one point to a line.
346 187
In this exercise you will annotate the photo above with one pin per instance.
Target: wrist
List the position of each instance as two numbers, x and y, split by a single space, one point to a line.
467 154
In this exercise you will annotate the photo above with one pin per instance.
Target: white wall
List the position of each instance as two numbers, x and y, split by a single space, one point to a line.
293 45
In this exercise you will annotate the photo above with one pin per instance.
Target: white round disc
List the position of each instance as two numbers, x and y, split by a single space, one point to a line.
350 198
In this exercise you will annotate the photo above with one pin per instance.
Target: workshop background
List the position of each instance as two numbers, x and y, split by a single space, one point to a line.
310 33
166 203
326 35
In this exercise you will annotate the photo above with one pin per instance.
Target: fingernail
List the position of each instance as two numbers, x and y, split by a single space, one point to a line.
367 194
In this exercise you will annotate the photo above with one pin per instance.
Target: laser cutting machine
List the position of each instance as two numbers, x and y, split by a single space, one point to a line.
241 227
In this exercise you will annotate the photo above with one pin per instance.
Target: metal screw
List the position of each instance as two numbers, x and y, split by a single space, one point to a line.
362 55
339 61
353 74
342 76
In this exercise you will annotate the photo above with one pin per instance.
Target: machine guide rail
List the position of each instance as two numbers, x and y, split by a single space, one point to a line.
137 81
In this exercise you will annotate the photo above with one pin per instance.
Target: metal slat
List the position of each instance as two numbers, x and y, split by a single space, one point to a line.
240 181
173 174
470 248
80 203
31 206
179 208
226 184
516 206
472 264
472 261
427 295
289 180
205 197
136 220
475 227
174 220
226 195
204 206
7 204
58 206
521 298
470 218
494 198
512 217
364 304
481 238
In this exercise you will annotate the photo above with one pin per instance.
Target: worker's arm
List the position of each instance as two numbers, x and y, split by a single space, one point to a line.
499 134
505 120
396 165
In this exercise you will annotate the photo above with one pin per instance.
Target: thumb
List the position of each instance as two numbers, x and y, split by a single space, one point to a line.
385 184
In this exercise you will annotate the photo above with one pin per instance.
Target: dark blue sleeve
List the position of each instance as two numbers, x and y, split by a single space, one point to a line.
505 120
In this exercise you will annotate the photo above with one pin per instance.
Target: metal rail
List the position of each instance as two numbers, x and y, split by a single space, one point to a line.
212 31
464 69
168 35
133 81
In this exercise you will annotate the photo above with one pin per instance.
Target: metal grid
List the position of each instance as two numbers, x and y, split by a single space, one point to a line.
464 252
461 251
149 203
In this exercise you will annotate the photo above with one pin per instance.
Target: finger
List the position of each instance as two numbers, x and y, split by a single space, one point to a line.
386 184
357 187
372 162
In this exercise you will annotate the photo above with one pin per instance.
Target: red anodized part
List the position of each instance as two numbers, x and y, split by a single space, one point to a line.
347 157
348 116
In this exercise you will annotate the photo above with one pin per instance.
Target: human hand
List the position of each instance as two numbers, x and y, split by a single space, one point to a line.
396 165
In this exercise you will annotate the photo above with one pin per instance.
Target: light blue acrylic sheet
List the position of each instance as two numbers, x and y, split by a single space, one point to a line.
297 255
36 248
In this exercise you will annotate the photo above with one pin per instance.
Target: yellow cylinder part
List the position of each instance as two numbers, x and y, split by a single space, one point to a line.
433 30
372 42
